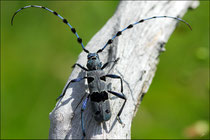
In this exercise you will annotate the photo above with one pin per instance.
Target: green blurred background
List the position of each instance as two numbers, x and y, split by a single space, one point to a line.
38 51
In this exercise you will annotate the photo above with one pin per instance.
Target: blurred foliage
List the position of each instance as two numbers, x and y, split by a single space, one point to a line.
38 51
179 94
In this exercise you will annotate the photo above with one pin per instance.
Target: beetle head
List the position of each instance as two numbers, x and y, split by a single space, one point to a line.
93 62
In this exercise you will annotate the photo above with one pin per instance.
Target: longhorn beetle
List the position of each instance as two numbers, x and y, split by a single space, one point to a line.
96 77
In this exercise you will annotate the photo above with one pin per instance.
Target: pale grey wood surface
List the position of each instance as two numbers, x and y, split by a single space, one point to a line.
138 49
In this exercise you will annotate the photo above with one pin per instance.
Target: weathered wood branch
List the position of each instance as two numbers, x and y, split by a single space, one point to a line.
138 49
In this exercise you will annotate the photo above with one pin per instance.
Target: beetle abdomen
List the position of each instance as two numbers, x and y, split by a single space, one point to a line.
100 106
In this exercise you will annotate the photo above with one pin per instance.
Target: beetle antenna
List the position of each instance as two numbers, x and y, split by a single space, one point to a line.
55 13
140 21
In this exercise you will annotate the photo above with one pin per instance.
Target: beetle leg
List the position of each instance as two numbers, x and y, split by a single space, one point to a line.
107 63
82 110
74 80
122 96
76 64
118 77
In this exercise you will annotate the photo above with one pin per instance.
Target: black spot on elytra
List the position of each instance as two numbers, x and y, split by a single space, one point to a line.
90 79
103 78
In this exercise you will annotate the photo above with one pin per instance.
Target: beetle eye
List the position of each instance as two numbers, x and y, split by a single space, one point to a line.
97 112
107 111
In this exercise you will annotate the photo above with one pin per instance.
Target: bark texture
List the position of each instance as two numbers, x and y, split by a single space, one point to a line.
138 49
